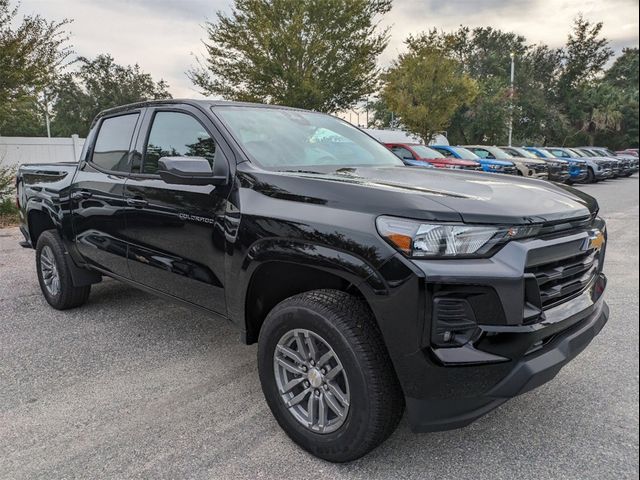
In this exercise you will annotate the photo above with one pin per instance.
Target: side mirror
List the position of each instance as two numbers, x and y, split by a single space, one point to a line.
193 171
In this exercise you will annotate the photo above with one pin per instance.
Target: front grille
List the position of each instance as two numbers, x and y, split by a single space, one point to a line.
561 280
540 168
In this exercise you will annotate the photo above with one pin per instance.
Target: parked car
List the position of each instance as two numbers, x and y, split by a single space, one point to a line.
536 167
488 165
527 167
422 153
628 151
558 169
577 167
617 165
629 163
597 168
368 286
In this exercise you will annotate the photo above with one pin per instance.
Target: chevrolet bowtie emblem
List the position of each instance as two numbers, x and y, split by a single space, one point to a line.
596 240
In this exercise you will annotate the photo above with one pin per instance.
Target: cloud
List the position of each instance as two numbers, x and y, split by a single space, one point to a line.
163 36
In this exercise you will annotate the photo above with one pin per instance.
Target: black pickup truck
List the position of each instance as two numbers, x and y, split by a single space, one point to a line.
369 286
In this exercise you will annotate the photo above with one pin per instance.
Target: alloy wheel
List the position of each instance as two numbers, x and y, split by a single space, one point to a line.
311 380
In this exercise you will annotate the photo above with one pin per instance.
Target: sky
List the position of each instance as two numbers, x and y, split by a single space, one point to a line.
165 36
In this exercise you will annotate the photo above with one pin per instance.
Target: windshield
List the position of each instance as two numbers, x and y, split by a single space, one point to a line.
543 154
465 154
525 153
499 154
578 153
588 153
426 152
283 139
562 153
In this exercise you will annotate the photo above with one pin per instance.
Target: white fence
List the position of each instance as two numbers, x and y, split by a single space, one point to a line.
18 150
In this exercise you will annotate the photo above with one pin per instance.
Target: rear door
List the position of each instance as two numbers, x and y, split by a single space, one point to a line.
97 193
175 232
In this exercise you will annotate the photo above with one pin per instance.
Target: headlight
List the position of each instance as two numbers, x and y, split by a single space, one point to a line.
419 240
495 167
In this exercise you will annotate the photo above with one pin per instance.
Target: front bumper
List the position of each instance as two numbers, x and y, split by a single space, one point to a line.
578 174
575 333
602 174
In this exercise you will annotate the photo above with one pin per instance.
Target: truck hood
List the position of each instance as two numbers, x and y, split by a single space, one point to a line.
467 196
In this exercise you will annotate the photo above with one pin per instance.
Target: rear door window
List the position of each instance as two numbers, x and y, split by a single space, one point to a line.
111 150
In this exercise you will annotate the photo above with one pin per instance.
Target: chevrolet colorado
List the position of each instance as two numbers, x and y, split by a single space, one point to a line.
370 287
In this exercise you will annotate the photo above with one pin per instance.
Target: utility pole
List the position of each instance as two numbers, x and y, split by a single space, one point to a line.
46 114
367 112
513 70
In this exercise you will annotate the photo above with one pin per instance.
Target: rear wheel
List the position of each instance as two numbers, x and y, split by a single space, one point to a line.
326 375
54 275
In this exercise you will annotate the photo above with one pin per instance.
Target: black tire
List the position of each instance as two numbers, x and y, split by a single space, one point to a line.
376 400
67 295
591 177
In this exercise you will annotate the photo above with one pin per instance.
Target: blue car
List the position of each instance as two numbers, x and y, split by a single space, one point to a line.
488 165
578 171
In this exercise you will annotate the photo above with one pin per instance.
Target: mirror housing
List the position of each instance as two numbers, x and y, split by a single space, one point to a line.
193 170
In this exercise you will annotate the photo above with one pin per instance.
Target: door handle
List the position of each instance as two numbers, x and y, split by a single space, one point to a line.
80 195
137 202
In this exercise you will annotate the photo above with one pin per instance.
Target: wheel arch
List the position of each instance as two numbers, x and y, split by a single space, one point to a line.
287 268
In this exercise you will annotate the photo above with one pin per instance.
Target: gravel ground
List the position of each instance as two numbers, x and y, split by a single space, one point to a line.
130 386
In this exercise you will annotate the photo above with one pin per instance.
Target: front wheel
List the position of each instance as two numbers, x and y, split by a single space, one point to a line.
54 275
326 375
591 177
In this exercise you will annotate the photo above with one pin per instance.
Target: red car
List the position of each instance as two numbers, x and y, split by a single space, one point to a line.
417 151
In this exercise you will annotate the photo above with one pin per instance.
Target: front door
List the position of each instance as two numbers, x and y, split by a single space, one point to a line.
97 194
175 233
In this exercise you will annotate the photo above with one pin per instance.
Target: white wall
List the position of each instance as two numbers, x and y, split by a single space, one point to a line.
17 150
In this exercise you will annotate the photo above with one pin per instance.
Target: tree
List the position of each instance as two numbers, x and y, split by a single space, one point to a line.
99 84
585 56
425 87
314 54
625 70
623 76
32 51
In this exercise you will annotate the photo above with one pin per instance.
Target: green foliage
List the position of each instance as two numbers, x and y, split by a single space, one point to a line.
623 76
314 54
99 84
425 88
32 50
8 209
380 116
561 96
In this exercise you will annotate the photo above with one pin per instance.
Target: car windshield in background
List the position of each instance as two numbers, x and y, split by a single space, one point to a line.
544 154
465 154
499 154
524 153
282 139
426 152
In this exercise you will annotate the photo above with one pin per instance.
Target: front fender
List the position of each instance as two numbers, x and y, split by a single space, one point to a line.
349 267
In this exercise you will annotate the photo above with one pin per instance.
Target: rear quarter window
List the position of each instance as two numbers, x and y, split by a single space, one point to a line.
111 150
